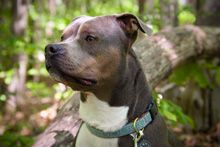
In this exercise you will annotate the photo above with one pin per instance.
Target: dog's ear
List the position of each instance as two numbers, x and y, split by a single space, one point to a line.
130 24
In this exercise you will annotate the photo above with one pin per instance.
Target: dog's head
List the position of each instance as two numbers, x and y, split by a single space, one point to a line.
93 50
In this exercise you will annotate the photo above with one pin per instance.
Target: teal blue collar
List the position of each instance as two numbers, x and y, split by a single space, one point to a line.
129 128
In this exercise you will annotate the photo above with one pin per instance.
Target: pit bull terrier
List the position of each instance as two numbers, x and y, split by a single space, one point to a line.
95 57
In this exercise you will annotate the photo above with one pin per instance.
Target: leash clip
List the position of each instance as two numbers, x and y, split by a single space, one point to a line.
137 135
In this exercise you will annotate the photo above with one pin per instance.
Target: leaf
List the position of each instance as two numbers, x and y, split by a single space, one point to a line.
169 115
174 113
186 17
190 71
181 74
199 76
217 75
11 139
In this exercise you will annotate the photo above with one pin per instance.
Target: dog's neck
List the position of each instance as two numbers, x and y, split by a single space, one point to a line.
132 90
129 99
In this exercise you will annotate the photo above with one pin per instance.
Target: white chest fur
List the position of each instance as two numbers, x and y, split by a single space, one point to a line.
99 114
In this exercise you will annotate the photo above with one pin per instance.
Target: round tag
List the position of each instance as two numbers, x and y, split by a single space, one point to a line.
143 143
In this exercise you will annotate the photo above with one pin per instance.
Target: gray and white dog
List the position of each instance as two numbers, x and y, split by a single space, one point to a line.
95 57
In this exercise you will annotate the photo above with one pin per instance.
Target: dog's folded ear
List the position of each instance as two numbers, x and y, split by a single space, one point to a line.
130 23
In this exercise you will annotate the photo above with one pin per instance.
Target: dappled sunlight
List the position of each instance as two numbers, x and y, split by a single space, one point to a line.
44 117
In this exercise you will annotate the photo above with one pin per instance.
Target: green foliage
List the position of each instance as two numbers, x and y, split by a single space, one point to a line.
191 71
39 90
197 72
7 75
3 97
213 68
217 77
203 73
172 112
9 139
62 94
186 17
119 6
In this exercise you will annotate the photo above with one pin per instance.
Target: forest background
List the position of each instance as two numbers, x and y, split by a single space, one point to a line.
188 99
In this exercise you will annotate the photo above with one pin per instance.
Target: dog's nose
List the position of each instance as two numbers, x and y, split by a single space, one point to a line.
53 49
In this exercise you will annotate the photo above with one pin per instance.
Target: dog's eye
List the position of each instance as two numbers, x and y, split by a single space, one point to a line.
90 38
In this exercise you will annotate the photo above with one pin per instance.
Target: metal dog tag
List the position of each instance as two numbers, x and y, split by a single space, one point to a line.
139 141
143 143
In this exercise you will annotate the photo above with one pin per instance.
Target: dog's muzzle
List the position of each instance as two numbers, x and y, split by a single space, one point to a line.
55 57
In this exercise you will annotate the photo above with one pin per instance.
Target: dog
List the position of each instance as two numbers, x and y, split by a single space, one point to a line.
95 57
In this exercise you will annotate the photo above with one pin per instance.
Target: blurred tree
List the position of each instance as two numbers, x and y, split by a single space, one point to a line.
52 7
169 11
20 17
141 7
207 12
19 25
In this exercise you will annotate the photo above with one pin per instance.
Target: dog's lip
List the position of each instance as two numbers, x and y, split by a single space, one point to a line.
86 82
82 81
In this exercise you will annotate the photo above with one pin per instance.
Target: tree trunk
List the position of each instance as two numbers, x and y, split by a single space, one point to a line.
20 15
52 7
159 55
141 7
169 10
208 12
17 86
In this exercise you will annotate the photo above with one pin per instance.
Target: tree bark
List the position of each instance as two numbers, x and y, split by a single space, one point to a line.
159 55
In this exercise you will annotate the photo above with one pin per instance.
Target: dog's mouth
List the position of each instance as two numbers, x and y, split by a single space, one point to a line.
71 78
84 81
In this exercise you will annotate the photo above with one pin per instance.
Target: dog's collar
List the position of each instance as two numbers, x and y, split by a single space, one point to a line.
128 129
